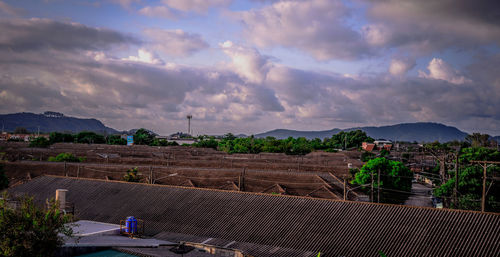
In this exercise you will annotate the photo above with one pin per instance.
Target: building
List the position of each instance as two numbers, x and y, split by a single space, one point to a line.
272 225
368 146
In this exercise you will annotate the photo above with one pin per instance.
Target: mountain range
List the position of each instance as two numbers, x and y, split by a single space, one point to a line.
52 122
420 132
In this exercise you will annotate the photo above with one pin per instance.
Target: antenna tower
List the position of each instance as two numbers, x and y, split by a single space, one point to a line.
189 117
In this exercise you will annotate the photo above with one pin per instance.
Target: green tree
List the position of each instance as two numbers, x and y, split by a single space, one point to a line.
132 175
4 180
470 181
116 140
207 143
229 136
384 153
351 138
143 137
21 130
29 230
478 140
88 137
57 137
39 142
366 156
394 175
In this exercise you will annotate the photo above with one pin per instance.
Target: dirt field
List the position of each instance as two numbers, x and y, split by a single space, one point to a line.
318 174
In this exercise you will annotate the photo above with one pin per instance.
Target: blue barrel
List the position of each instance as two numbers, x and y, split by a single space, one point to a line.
131 225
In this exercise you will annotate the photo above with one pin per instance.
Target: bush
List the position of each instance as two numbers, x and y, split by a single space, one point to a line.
66 157
132 176
30 230
163 142
40 142
207 143
116 140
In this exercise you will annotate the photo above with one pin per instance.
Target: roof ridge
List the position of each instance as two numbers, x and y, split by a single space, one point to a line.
270 195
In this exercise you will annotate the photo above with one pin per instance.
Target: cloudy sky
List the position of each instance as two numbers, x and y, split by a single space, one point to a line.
255 65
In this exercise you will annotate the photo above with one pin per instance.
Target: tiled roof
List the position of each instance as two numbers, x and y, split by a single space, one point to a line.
336 228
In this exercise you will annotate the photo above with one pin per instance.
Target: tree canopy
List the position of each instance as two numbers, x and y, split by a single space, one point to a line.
394 175
143 137
293 146
470 181
88 137
57 137
29 230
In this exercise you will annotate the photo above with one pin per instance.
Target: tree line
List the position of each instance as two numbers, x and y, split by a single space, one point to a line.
292 146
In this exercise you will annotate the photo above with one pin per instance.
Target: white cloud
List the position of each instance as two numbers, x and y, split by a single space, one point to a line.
176 42
439 69
158 12
145 56
247 62
200 6
316 27
399 67
125 3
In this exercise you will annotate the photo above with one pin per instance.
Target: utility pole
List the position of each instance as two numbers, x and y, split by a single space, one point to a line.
372 188
150 174
378 186
484 165
242 186
456 179
345 196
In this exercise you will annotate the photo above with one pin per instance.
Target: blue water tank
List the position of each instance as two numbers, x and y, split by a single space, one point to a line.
131 225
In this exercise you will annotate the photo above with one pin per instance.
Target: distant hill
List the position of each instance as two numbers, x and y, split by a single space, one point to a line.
52 122
420 132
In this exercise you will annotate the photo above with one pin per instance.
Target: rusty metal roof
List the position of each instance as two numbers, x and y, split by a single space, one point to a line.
336 228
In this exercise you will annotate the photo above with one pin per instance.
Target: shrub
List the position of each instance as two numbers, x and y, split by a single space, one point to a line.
66 157
40 142
132 176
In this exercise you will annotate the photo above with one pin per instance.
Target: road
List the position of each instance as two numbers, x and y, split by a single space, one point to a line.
421 195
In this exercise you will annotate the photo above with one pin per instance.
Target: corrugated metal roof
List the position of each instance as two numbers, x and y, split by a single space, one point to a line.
336 228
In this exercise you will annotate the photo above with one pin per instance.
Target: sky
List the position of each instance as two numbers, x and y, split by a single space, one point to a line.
255 65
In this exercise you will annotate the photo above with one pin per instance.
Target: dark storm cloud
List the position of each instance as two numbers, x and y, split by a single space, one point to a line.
34 34
425 26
